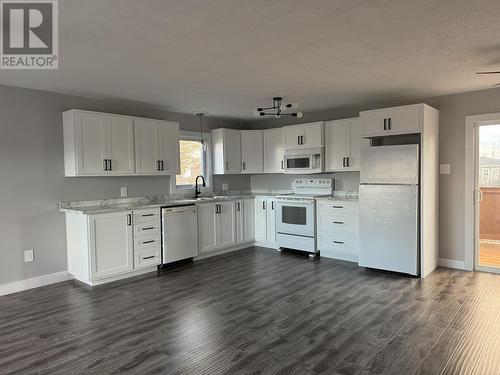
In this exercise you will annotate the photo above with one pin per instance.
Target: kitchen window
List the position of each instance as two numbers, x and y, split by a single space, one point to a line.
194 160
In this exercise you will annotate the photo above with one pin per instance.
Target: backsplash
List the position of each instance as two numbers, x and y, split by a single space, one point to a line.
343 180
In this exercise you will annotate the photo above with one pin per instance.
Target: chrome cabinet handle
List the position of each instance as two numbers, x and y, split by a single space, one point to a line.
298 139
301 139
263 205
110 164
389 123
158 165
385 124
343 162
347 161
272 205
105 162
129 219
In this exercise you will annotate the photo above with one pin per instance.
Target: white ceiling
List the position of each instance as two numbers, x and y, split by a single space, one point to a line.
228 56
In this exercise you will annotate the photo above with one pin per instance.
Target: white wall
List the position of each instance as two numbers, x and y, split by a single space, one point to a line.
32 175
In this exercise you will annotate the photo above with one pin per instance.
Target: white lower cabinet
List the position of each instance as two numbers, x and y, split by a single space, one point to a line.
265 221
217 225
107 247
245 221
337 223
111 244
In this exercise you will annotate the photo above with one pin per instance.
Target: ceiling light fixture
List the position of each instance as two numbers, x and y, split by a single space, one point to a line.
278 109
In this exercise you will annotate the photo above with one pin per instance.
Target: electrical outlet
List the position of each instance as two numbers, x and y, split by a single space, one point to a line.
124 192
225 186
28 256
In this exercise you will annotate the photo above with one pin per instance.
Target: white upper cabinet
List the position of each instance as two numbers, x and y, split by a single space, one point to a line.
252 154
342 145
226 151
304 135
273 150
121 145
156 147
392 121
97 144
103 144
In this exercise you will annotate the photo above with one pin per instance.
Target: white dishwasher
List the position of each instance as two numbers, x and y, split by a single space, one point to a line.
179 233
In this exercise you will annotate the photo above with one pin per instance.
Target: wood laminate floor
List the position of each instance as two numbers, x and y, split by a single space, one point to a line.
257 311
489 253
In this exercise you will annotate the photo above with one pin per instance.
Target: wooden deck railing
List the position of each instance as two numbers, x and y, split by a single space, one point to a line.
489 220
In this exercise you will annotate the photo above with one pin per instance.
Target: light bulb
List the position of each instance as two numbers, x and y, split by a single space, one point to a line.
299 115
292 105
283 108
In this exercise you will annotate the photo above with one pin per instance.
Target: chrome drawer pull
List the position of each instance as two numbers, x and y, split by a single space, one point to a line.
339 242
149 257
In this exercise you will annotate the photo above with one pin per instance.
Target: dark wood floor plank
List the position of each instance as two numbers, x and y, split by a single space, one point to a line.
256 311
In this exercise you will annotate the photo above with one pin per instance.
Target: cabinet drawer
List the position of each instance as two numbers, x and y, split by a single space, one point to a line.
338 245
340 222
149 230
151 216
142 244
331 207
146 258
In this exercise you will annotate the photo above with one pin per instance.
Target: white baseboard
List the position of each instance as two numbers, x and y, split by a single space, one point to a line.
451 263
34 282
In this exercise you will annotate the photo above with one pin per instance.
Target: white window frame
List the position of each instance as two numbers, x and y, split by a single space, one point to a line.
207 173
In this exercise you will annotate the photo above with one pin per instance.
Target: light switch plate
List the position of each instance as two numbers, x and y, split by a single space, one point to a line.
124 192
28 256
444 168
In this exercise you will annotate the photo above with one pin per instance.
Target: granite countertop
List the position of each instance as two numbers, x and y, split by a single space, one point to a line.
136 203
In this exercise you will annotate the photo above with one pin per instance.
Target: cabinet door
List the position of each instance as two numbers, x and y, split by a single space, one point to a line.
273 150
292 136
372 123
147 151
240 222
91 143
355 143
232 151
313 135
271 220
111 244
404 120
260 219
252 154
169 145
336 150
226 224
121 145
207 227
249 220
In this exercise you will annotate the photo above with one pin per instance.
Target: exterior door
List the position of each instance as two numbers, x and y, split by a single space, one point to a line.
487 198
91 143
111 244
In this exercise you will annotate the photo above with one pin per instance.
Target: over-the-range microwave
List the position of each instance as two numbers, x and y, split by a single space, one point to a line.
304 161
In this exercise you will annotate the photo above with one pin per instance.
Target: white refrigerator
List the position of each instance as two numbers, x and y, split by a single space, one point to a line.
389 208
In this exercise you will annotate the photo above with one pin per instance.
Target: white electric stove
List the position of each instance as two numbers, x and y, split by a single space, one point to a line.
296 213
